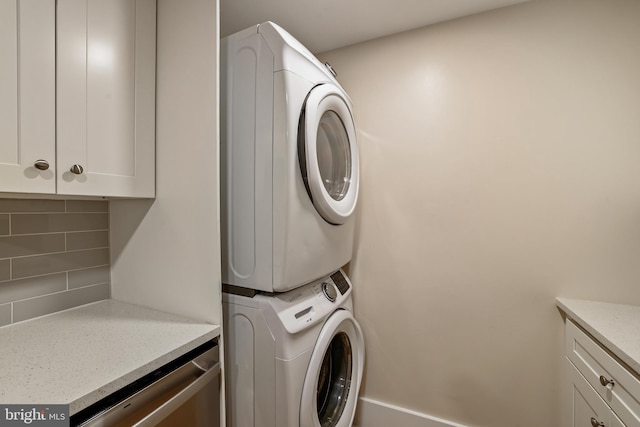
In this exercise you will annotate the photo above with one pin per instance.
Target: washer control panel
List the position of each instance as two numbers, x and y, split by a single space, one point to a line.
341 281
303 307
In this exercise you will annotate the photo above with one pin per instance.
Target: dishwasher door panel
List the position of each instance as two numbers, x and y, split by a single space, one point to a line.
187 396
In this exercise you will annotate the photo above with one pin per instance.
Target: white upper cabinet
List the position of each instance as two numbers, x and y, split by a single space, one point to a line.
27 96
106 97
77 93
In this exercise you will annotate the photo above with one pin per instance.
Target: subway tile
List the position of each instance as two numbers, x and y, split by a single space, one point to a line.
5 269
4 225
34 244
34 307
54 263
87 206
15 290
89 276
30 205
85 240
51 223
5 314
44 270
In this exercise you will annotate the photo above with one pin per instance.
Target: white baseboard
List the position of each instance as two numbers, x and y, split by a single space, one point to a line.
372 413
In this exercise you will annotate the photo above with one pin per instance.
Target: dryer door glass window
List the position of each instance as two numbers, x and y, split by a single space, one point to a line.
328 153
334 381
334 155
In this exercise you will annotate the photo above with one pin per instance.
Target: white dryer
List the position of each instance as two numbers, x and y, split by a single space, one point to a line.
289 163
293 359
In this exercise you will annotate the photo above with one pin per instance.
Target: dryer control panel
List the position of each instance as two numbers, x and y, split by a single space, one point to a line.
308 305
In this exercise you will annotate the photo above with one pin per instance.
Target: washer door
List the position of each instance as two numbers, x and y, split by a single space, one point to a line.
328 153
330 390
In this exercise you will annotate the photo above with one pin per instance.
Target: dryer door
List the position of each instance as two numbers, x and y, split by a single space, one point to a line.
328 153
330 390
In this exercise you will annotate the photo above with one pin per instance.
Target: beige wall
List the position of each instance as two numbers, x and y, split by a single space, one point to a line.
165 253
500 169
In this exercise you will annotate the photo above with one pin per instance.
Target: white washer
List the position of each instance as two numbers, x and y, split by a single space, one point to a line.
289 163
293 359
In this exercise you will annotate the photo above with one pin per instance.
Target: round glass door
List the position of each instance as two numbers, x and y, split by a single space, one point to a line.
334 155
330 388
334 381
328 153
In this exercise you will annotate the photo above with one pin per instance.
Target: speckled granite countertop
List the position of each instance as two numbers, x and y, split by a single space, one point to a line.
81 355
616 326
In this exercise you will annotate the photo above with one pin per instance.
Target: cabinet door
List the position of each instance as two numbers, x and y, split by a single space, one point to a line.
27 95
615 421
585 405
594 362
106 97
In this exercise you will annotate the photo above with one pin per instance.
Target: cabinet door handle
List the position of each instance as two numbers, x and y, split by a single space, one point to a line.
77 169
42 165
596 423
605 382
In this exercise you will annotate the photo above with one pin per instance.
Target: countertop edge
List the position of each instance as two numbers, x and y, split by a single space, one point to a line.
565 305
117 384
578 311
79 356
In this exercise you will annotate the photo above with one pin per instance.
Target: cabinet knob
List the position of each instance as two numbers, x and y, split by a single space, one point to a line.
42 165
596 423
77 169
605 382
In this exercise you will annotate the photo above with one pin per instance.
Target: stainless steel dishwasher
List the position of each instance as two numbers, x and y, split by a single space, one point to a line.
185 392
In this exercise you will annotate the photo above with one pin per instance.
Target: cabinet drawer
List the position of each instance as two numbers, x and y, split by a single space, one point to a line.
594 362
585 404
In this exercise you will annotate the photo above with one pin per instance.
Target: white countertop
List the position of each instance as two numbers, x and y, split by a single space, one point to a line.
616 326
81 355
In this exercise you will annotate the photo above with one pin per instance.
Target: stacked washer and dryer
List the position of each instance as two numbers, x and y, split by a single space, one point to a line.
289 162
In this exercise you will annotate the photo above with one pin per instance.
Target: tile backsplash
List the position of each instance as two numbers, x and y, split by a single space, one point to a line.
54 255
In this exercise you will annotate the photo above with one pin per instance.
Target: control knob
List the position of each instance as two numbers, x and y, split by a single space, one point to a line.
329 291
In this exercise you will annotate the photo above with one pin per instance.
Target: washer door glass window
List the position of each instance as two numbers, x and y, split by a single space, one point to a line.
333 378
328 153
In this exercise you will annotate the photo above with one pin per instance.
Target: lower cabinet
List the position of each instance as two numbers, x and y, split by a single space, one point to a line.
602 392
586 407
